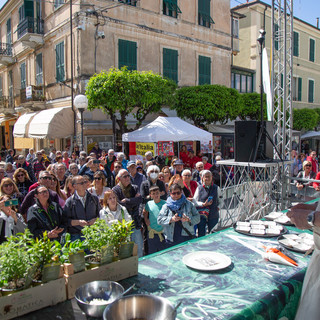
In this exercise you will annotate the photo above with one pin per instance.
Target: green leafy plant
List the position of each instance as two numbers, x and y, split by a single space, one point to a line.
121 232
70 247
96 237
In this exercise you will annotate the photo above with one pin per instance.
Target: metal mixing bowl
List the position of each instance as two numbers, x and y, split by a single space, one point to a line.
107 290
140 306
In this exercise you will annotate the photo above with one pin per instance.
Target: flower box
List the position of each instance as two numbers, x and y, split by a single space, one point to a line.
34 298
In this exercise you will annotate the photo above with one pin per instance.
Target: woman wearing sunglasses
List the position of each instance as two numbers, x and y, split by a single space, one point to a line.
99 185
45 215
22 181
178 217
8 188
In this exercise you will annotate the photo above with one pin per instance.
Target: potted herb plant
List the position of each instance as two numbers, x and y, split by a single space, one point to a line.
97 240
121 238
73 252
14 267
45 253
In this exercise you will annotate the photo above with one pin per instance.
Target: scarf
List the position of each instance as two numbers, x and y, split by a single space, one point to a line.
175 205
126 190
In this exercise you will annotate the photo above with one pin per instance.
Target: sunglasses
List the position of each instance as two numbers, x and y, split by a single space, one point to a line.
176 193
82 183
47 178
187 175
308 165
97 178
154 171
20 175
117 167
126 176
8 185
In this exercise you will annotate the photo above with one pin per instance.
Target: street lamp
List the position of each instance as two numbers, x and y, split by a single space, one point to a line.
81 103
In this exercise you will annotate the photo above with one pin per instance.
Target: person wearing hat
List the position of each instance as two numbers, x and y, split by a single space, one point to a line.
177 167
136 177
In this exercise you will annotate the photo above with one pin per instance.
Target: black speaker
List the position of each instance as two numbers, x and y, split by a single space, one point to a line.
245 138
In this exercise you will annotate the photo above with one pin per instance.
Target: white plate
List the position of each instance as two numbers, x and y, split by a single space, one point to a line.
206 260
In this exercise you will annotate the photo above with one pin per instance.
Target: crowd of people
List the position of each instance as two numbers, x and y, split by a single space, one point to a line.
61 192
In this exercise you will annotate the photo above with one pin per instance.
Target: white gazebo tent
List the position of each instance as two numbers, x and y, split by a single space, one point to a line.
167 129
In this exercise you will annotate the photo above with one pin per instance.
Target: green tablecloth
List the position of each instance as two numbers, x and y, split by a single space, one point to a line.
251 288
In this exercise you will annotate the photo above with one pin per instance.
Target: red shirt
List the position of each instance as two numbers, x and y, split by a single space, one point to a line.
207 166
314 164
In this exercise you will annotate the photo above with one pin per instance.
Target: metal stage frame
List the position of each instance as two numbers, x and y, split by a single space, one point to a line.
252 190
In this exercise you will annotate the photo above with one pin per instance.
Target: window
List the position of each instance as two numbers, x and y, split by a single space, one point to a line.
204 70
204 18
242 81
128 54
311 91
296 88
10 84
170 8
39 73
295 44
129 2
23 75
1 92
9 40
58 3
235 27
170 64
311 49
60 62
21 13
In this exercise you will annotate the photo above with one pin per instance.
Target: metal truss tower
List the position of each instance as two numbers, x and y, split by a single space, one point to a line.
281 85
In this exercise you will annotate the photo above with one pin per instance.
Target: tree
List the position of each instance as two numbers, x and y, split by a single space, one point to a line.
250 106
126 92
207 103
305 118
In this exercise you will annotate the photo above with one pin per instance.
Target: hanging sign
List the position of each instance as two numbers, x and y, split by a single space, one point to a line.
143 147
165 148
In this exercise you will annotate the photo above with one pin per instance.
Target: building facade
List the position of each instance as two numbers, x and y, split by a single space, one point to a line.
186 41
245 69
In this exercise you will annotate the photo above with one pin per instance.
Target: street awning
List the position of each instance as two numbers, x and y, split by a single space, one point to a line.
55 123
20 129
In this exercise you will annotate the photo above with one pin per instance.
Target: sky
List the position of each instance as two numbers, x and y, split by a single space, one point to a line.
306 10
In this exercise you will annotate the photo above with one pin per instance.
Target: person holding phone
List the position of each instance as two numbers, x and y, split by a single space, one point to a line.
207 199
11 222
45 215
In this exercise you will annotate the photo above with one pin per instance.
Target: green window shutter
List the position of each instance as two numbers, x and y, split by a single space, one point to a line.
204 18
204 70
276 43
9 40
299 89
296 44
171 8
39 72
170 64
60 62
311 90
127 54
311 50
23 75
28 8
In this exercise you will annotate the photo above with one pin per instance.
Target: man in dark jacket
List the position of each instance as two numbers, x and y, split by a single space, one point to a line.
128 196
9 157
81 209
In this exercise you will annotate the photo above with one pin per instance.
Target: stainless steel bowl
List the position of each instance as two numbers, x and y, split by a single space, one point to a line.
106 290
140 306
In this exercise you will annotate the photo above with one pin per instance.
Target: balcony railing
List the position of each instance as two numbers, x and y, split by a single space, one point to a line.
6 103
30 25
37 95
5 49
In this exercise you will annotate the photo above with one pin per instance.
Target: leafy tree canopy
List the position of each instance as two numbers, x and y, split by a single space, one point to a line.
305 118
207 103
250 106
126 92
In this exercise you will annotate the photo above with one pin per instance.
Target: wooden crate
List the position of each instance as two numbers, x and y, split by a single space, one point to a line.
114 271
25 301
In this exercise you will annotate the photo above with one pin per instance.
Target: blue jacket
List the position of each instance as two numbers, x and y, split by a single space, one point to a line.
166 215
